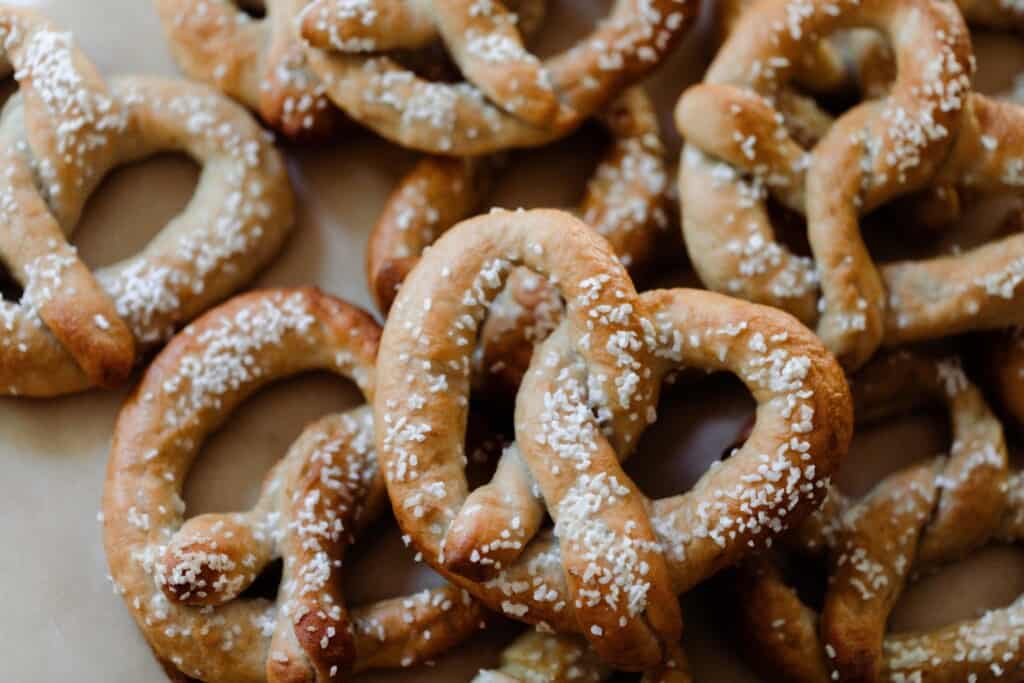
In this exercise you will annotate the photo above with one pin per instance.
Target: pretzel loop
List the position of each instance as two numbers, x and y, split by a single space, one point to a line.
182 580
914 520
619 558
533 103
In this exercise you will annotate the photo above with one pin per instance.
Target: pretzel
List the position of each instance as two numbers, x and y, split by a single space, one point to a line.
59 137
625 201
608 356
930 131
259 62
182 580
510 99
914 520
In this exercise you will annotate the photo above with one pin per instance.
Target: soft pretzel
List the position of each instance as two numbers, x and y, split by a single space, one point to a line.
58 139
258 61
920 517
182 579
511 99
620 559
930 131
625 201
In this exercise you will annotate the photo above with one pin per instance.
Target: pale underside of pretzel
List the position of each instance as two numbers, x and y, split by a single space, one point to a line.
259 62
461 118
182 579
628 342
58 138
625 201
914 520
929 131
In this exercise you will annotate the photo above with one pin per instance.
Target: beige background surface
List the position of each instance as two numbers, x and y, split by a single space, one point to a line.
60 618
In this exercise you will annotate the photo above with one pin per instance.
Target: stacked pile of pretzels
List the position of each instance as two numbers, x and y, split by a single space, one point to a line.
817 123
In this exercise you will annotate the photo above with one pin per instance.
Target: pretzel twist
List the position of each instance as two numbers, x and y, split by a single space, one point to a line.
258 62
914 520
625 201
510 100
59 137
929 131
619 558
182 580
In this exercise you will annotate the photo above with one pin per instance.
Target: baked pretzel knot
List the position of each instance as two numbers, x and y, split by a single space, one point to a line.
182 579
929 131
510 98
911 522
258 61
625 201
617 560
59 136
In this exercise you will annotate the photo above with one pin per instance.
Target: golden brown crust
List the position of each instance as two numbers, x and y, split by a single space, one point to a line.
259 62
73 330
182 581
620 558
929 131
460 119
922 516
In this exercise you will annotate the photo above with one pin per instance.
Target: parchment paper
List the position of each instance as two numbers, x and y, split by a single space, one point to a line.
59 617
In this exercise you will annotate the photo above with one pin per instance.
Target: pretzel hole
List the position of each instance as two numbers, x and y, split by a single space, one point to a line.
132 205
267 583
790 227
933 223
886 446
565 24
10 289
229 470
1000 57
379 566
991 578
554 175
699 419
256 9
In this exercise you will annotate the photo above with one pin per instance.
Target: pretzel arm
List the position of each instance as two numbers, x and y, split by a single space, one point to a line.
870 567
489 49
370 26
